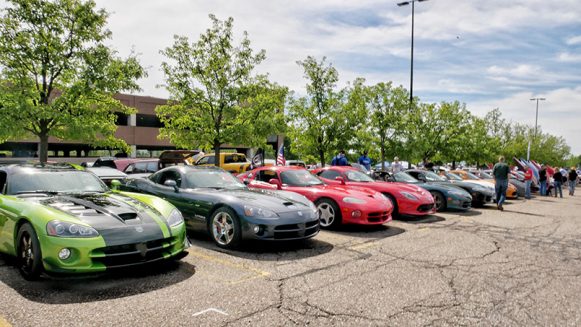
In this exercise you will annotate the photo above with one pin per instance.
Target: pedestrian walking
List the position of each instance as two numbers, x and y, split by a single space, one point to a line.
573 176
340 159
365 161
528 182
396 166
557 183
543 180
500 173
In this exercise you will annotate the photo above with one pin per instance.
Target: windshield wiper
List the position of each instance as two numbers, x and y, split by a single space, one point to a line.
38 191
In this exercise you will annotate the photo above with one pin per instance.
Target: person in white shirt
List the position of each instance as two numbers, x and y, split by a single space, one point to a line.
396 166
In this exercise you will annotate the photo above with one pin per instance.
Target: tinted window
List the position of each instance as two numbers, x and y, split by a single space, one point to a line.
2 181
168 175
211 179
266 175
329 174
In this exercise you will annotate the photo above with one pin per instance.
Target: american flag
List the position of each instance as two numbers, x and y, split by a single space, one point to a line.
280 157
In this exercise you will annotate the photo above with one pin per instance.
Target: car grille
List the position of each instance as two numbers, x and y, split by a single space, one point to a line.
294 231
132 254
376 217
425 207
466 204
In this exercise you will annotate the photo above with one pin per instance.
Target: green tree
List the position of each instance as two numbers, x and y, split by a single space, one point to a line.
388 109
315 120
214 96
58 76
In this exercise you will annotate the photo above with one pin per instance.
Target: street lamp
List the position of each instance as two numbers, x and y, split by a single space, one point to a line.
401 4
537 113
536 120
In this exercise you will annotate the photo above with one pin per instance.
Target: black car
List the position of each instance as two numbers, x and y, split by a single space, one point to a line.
480 194
228 209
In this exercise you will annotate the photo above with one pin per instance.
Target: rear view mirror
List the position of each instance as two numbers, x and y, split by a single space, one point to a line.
115 184
276 182
171 183
340 179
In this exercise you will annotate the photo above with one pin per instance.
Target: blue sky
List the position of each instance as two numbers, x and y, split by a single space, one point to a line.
488 54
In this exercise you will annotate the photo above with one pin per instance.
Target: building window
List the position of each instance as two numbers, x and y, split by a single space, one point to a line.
121 119
148 121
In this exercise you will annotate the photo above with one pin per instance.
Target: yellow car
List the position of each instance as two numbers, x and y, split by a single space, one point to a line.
231 162
511 192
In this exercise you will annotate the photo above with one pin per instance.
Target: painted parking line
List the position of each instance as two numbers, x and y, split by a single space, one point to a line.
4 322
364 245
255 273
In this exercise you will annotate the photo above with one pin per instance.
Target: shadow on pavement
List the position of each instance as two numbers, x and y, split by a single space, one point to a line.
368 231
470 213
96 287
260 250
421 220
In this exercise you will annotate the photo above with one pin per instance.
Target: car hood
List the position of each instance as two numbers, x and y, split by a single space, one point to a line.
119 219
278 201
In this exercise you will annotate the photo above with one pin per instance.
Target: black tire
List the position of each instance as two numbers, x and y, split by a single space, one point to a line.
224 228
28 253
439 201
327 207
395 213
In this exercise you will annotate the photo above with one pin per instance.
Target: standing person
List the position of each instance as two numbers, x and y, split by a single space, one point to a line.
543 180
365 161
528 182
396 166
572 180
340 159
557 182
500 172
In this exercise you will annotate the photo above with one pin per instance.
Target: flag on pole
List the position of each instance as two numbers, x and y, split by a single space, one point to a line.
280 157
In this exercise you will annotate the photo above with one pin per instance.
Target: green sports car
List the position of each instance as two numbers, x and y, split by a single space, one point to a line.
57 219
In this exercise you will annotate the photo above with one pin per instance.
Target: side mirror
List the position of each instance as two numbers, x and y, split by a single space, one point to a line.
422 178
276 182
246 181
340 179
115 184
172 183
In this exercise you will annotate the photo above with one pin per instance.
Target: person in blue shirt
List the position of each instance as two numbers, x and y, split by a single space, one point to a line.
340 159
365 161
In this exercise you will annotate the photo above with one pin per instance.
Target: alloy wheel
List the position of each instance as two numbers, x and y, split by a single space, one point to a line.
326 214
223 228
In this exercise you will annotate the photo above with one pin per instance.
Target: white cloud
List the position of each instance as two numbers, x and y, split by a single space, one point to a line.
569 57
574 40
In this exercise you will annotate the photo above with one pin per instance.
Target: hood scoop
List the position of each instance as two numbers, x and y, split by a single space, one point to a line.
128 215
94 206
288 204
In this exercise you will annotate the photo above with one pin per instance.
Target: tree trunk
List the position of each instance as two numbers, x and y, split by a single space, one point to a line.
453 164
43 155
322 157
217 153
382 157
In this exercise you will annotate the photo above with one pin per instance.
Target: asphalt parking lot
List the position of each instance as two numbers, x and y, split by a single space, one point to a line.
517 267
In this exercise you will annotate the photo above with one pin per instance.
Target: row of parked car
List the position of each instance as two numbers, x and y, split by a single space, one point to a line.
65 219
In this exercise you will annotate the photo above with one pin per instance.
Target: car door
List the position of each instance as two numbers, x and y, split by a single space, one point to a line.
261 179
182 200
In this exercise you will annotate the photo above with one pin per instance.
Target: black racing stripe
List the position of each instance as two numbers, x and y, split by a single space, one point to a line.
107 219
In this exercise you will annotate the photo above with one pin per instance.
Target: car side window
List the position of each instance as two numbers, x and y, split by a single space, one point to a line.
129 169
2 181
151 167
229 159
140 167
169 175
329 174
266 175
206 160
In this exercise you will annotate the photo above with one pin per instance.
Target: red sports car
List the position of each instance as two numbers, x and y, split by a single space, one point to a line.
407 199
337 204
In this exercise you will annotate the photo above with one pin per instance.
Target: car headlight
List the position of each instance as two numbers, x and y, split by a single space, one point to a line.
64 229
349 199
175 218
408 195
314 209
457 193
252 211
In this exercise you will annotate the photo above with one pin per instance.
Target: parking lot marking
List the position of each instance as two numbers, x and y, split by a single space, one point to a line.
4 323
257 272
364 245
210 310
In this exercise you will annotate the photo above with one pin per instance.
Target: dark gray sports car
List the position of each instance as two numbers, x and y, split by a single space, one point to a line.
230 211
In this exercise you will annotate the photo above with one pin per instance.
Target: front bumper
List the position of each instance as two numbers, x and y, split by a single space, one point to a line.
92 255
459 202
287 228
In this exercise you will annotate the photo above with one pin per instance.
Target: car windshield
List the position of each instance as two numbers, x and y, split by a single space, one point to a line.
212 179
357 176
472 176
404 178
433 177
55 181
299 178
453 177
485 175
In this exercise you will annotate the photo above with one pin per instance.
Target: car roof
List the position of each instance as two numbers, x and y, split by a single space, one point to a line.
282 168
186 168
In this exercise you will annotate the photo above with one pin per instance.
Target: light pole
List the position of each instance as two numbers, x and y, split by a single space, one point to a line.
401 4
536 120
